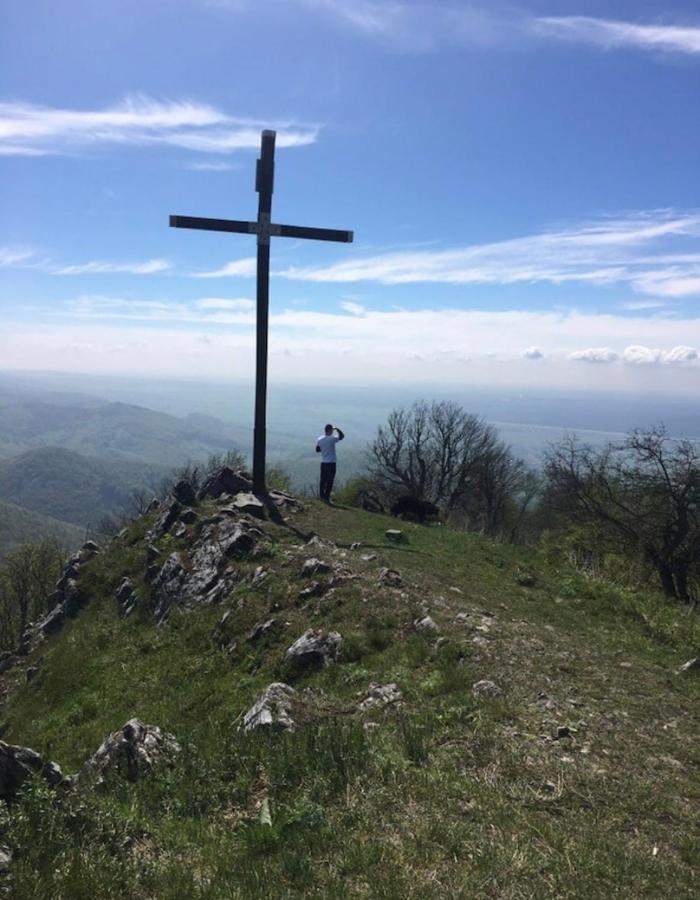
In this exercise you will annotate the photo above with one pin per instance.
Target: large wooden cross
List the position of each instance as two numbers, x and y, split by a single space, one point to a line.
264 229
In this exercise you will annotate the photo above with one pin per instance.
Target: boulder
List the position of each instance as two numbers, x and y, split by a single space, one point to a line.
131 751
225 481
379 695
485 688
73 598
314 566
248 503
395 535
88 550
272 709
53 622
168 517
184 493
315 649
17 764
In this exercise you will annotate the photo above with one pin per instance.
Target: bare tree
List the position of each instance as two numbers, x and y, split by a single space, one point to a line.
440 453
642 494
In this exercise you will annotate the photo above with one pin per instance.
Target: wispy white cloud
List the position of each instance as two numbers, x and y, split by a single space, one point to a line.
533 353
612 33
239 268
15 256
631 249
217 303
149 267
355 308
211 166
30 130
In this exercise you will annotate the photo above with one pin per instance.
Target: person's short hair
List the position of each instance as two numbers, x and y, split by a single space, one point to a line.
328 429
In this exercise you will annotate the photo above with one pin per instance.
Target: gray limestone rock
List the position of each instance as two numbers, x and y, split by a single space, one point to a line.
314 566
168 517
225 481
379 695
272 709
126 597
248 503
395 535
17 764
5 860
426 623
315 649
131 751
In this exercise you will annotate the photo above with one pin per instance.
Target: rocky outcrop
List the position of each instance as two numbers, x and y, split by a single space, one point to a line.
225 481
315 649
249 504
17 764
204 576
272 709
184 493
66 601
131 751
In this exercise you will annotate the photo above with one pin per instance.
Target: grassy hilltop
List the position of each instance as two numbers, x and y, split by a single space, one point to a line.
578 779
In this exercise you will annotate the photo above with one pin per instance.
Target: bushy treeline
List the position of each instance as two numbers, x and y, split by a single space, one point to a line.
633 505
28 576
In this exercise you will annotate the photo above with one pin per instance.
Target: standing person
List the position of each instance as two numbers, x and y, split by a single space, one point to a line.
325 445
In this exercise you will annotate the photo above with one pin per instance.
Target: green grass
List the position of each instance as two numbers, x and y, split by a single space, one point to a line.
451 796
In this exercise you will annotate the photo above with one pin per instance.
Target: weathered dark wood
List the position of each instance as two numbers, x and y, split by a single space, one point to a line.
213 224
316 234
264 229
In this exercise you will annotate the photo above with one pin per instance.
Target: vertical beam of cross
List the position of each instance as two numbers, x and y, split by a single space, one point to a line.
264 229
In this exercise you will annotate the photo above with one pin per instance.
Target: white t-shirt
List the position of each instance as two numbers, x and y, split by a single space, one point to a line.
327 444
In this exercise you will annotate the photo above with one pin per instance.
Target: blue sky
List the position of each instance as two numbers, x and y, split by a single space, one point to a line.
522 181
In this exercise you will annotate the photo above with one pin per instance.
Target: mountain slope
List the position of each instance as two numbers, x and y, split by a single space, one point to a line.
72 487
20 526
537 787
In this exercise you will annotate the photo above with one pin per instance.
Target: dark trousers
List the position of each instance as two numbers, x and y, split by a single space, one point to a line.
327 479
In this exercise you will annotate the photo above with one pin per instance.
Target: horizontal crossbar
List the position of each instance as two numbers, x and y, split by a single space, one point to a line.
315 234
230 225
238 227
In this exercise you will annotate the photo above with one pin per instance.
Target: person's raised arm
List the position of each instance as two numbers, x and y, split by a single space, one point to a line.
340 433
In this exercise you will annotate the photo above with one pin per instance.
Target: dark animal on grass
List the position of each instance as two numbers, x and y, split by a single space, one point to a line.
415 510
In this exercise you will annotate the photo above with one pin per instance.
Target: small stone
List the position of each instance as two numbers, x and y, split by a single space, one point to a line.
625 665
5 860
390 577
395 535
525 579
485 688
369 557
425 624
563 731
379 695
314 566
32 672
355 545
549 787
262 630
693 665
